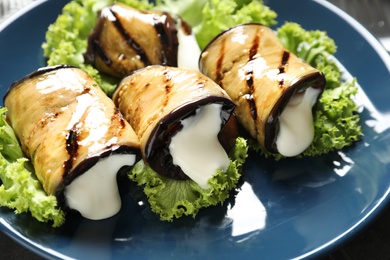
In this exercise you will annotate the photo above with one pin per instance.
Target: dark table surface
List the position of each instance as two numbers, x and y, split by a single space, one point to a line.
374 241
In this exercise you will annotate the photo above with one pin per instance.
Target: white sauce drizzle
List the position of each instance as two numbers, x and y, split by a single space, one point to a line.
95 193
188 50
196 148
296 130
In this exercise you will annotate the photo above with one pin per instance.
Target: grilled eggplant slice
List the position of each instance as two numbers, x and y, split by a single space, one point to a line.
273 90
179 116
75 137
125 39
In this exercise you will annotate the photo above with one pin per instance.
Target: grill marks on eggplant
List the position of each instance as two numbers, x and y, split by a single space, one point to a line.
125 39
283 65
74 135
72 140
100 52
67 126
129 40
117 116
168 88
172 95
259 74
249 78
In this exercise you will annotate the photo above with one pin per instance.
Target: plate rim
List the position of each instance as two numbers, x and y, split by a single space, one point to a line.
16 15
368 217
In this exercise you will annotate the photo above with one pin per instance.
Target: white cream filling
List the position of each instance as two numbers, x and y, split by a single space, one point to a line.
95 193
188 50
196 148
296 130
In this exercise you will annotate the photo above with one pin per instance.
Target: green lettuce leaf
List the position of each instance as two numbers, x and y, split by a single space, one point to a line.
20 190
9 144
336 121
208 18
307 45
172 199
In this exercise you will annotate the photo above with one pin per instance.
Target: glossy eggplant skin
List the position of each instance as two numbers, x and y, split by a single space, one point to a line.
260 76
154 100
126 39
66 124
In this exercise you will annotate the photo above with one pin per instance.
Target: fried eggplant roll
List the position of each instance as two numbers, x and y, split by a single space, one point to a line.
125 39
75 137
273 90
180 117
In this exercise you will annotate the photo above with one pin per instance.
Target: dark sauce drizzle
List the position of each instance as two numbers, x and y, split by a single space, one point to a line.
168 88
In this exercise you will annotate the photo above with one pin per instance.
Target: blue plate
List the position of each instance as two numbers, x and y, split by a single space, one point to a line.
294 208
